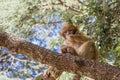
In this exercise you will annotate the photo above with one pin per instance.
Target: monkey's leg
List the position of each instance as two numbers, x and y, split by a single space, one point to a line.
76 77
88 50
52 74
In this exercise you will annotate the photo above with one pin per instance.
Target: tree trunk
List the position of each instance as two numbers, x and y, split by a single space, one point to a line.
64 62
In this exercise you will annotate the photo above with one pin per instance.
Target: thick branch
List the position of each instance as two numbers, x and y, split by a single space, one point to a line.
65 62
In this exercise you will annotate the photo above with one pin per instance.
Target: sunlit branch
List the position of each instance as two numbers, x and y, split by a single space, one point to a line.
69 7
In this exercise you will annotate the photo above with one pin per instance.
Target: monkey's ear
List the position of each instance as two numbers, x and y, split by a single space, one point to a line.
60 33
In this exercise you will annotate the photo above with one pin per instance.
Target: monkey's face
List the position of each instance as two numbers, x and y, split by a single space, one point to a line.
68 29
69 32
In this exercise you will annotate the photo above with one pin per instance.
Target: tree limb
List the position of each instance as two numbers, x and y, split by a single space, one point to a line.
65 62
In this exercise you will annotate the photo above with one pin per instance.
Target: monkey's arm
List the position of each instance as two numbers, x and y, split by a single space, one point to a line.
67 49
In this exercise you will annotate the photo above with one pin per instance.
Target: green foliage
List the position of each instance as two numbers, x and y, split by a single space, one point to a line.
66 76
6 78
52 41
98 18
69 76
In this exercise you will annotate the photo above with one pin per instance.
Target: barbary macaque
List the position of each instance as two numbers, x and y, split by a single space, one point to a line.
76 43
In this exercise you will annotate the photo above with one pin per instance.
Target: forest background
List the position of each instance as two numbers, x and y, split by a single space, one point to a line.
39 22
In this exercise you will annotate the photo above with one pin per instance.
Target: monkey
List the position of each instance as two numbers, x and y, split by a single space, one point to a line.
78 44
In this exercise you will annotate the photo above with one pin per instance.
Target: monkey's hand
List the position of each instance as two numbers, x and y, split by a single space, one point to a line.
63 49
67 49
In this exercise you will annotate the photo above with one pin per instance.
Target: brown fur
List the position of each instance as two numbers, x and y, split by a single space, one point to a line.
78 44
82 44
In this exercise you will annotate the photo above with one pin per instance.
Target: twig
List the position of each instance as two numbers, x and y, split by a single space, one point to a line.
50 22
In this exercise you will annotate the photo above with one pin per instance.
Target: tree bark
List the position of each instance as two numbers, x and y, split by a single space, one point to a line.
64 62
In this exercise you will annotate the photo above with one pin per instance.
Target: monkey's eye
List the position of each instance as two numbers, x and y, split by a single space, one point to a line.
72 31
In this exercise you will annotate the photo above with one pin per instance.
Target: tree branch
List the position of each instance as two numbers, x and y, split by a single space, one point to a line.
50 22
64 62
69 7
